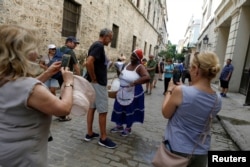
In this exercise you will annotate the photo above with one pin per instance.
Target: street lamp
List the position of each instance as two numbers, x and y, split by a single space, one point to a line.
205 40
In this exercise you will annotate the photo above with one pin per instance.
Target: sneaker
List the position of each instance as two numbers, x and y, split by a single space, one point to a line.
223 95
117 129
126 132
64 118
88 137
108 143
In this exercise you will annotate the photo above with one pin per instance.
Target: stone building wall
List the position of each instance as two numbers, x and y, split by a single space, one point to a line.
229 36
46 16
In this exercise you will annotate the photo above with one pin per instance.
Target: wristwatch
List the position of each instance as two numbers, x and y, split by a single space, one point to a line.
68 85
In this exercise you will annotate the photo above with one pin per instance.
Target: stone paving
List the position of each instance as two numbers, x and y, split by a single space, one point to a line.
68 149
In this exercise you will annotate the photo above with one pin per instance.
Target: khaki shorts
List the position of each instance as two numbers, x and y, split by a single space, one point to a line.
151 78
156 76
101 99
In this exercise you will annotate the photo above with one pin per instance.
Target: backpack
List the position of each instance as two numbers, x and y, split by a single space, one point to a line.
176 71
58 57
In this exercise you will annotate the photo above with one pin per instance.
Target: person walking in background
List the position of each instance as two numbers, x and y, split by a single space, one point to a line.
185 74
129 102
168 70
161 65
70 44
25 115
151 65
52 83
119 65
123 58
144 62
178 68
190 110
157 73
225 77
96 64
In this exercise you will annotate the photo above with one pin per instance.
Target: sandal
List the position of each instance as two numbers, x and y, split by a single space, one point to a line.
64 118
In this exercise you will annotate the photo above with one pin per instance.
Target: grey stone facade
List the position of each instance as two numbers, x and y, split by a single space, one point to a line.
133 19
227 26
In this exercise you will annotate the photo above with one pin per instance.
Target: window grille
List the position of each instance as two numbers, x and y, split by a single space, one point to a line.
71 17
134 43
115 30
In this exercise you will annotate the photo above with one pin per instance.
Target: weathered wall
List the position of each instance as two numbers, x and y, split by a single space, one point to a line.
95 14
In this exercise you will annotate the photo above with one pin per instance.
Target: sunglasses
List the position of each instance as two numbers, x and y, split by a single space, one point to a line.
53 49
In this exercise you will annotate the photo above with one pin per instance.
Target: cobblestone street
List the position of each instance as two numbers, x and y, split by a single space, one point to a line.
68 149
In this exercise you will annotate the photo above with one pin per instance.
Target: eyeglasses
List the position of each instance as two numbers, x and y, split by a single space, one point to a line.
53 49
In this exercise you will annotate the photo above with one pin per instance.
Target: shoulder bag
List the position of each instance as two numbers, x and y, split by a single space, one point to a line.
164 157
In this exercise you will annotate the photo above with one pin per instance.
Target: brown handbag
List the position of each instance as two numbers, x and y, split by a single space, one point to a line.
165 158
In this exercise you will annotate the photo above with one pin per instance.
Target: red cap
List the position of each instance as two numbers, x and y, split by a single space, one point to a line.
138 53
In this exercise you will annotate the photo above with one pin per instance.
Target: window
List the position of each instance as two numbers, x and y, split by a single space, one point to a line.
150 48
154 19
145 48
115 30
149 6
138 3
71 17
134 43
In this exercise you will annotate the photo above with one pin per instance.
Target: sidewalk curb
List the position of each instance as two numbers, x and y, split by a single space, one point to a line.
230 131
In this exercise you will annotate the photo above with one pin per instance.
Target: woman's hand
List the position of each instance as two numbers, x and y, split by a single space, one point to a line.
51 70
67 75
54 68
172 100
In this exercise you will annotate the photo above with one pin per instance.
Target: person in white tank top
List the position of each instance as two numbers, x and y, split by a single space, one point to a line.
129 102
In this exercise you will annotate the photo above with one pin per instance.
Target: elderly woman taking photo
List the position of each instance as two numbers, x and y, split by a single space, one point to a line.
190 110
24 112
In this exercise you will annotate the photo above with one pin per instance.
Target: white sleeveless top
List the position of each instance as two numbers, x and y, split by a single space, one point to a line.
126 93
126 77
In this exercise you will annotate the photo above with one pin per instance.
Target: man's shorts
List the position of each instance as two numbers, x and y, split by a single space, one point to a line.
156 77
101 98
52 83
151 78
224 84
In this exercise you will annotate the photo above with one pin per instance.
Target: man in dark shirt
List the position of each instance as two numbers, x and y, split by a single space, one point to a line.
70 44
97 65
225 77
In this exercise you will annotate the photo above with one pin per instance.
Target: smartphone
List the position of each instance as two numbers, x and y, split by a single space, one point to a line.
65 60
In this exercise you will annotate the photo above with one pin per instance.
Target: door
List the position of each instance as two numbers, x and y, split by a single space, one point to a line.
244 84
